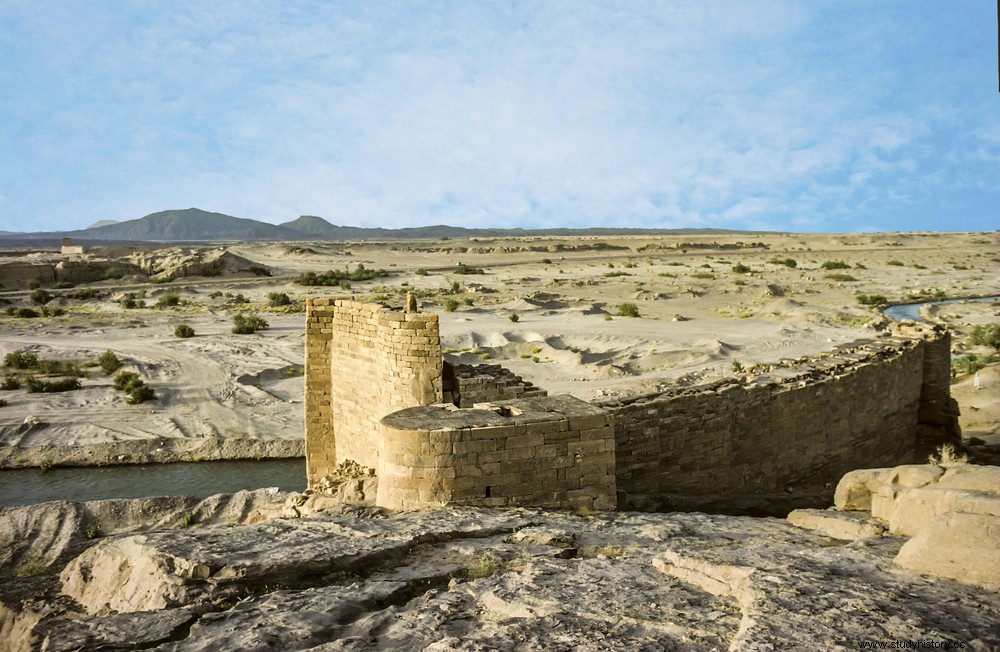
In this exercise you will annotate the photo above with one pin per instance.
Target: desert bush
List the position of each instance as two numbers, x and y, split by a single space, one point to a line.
34 285
58 368
183 330
628 310
469 301
129 302
24 313
895 263
276 299
41 297
614 274
257 270
168 300
787 262
93 530
125 380
36 385
109 362
737 367
514 317
450 305
48 311
740 268
140 394
216 294
703 275
335 276
248 324
843 278
236 298
19 359
835 264
83 294
3 402
946 456
63 285
872 300
421 272
986 335
113 273
466 269
10 383
970 363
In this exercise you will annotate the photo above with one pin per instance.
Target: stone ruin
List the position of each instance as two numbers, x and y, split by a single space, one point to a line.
379 394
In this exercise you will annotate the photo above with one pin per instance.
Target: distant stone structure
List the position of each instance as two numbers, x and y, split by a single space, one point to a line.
70 249
379 393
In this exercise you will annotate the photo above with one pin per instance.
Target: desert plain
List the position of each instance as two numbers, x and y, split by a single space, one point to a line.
552 310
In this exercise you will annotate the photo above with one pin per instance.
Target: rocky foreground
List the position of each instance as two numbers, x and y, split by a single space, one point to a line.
264 570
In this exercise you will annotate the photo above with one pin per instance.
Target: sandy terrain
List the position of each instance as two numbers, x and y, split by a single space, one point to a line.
698 316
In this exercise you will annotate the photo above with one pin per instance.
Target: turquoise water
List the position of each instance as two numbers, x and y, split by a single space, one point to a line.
201 479
912 310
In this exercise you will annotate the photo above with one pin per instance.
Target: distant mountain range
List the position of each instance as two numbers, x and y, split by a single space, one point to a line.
196 225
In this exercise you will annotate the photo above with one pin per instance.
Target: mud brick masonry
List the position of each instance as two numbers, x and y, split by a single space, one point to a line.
379 393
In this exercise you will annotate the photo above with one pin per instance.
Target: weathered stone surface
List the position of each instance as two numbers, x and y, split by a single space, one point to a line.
960 546
475 579
914 509
848 526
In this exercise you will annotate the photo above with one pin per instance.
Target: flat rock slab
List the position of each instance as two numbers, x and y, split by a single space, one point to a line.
475 579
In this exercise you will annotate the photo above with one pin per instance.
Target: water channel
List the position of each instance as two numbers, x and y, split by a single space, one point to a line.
903 311
201 479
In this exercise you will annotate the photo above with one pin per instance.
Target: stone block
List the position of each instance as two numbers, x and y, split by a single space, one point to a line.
959 546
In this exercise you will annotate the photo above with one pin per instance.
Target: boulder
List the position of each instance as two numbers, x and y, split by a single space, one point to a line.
914 509
959 546
847 526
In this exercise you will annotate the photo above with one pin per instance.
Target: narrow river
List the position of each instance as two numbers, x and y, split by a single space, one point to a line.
201 479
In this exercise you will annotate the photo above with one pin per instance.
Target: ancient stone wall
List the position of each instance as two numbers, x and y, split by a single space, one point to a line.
553 451
363 362
801 426
466 384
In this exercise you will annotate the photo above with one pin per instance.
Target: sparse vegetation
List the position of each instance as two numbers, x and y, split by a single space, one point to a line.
450 305
130 301
872 300
841 278
628 310
36 385
277 299
46 465
740 268
970 363
136 390
244 324
835 264
168 300
703 275
466 269
183 331
19 359
614 274
334 277
787 262
514 317
986 335
737 367
94 530
109 362
946 456
10 383
41 297
895 263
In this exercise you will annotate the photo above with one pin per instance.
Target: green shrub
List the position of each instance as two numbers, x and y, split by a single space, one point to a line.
986 335
276 299
109 362
10 383
93 530
895 263
971 363
168 300
83 294
129 302
835 264
872 300
236 298
421 272
183 330
740 268
19 359
628 310
140 394
335 276
63 285
469 301
614 274
125 380
465 269
41 297
703 275
46 464
257 270
52 312
216 294
113 273
514 317
248 324
35 385
737 367
24 313
843 278
787 262
450 305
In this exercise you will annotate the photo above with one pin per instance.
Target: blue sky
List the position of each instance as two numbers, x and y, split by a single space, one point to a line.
826 115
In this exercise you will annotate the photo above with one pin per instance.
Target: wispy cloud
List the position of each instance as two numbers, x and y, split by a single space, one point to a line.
772 114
